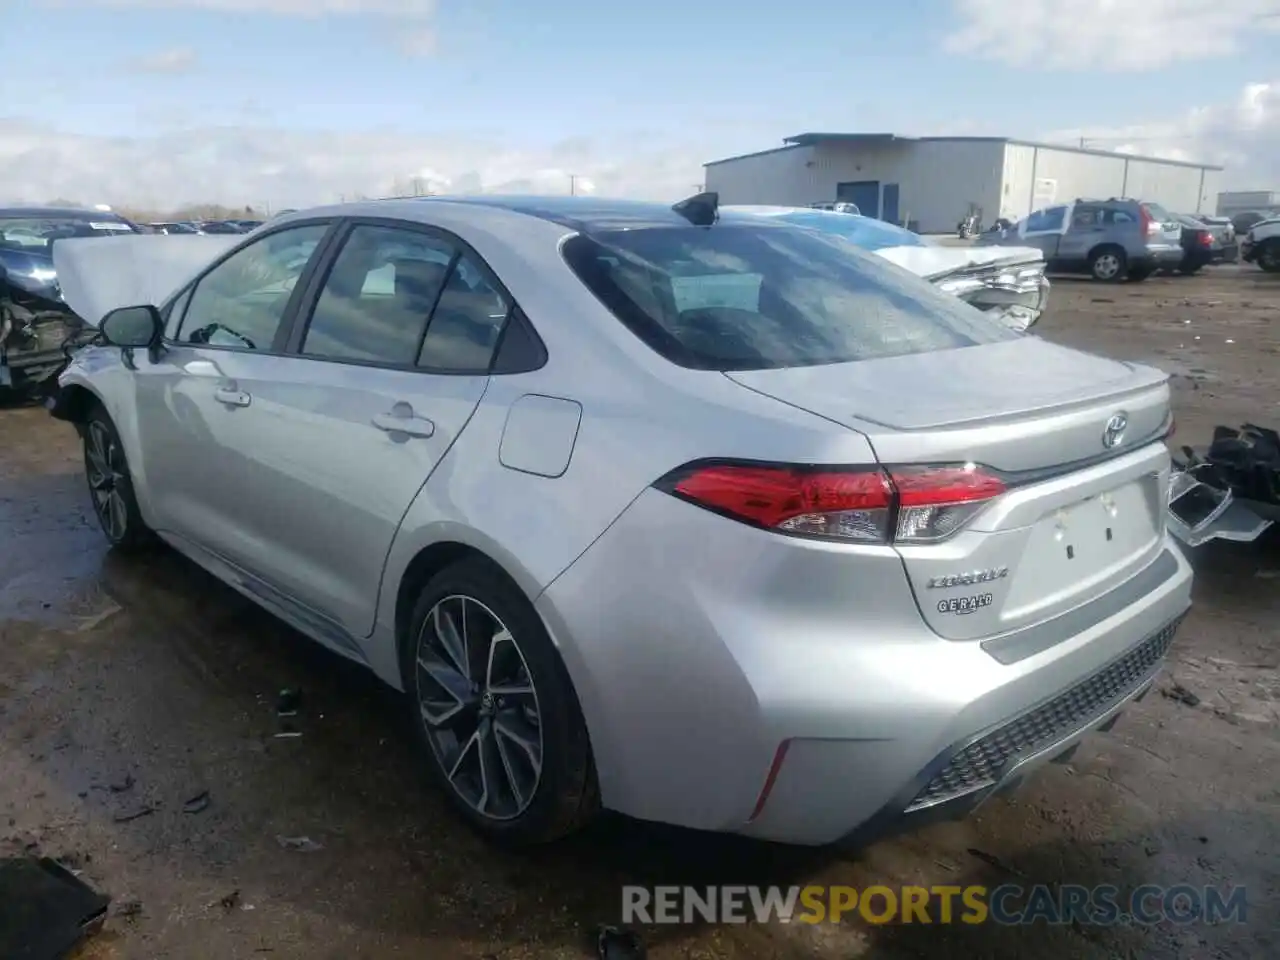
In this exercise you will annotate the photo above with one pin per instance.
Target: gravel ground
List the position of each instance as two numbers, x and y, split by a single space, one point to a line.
131 687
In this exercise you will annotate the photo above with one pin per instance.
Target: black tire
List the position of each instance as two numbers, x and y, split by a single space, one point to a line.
1190 271
112 496
1137 276
1268 256
1108 264
566 796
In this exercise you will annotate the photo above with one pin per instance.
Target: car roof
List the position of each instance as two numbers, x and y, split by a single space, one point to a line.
582 214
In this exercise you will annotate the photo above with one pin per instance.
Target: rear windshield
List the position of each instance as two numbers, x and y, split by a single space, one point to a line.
739 297
1158 212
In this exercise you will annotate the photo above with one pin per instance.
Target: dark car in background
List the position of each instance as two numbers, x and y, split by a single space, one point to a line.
173 227
1224 235
1199 246
34 321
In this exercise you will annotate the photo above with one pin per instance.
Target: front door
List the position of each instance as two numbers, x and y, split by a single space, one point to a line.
387 366
864 193
1044 229
196 421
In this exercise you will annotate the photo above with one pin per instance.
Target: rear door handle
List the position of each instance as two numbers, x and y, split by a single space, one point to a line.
232 398
401 419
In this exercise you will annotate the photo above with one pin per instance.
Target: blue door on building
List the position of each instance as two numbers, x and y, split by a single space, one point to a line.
865 193
890 213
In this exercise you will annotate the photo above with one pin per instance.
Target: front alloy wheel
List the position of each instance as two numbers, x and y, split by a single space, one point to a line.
104 466
479 707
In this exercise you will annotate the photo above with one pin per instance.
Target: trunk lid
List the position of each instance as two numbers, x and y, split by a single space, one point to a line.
1078 518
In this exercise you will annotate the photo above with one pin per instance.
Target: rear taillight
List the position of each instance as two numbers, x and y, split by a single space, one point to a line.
1206 240
915 504
1149 225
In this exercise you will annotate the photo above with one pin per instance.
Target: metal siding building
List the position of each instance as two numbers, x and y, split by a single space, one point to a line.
1232 202
931 181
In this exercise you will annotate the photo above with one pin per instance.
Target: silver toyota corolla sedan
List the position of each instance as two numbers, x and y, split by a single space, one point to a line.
707 520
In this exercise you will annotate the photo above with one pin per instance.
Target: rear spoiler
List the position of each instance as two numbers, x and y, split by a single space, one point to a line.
99 274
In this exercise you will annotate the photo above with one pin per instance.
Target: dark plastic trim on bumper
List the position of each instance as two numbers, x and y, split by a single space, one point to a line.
894 819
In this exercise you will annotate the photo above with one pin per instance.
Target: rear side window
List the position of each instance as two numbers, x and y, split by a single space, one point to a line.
747 297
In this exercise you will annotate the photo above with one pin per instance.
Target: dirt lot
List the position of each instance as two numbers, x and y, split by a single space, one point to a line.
128 687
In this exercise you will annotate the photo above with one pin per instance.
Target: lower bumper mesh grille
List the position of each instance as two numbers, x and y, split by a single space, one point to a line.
983 761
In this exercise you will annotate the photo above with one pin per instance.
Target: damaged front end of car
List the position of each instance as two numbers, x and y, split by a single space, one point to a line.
1015 291
35 327
1231 491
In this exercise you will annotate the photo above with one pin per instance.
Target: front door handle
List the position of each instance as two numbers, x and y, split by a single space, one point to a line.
402 420
232 398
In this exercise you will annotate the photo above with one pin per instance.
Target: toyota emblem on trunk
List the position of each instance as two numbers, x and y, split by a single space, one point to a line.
1113 433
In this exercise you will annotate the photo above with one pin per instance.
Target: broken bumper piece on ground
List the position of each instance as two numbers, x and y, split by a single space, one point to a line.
1229 492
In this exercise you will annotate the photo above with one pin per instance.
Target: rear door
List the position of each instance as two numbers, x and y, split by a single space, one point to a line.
388 360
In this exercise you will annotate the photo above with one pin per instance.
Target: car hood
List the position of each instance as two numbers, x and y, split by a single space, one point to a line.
931 261
96 277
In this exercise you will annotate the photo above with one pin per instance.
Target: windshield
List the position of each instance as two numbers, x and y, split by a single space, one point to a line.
747 297
864 232
37 234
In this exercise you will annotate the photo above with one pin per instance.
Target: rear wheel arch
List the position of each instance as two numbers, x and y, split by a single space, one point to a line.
455 569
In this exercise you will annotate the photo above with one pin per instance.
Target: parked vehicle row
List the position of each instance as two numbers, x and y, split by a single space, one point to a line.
34 321
698 515
1120 238
171 227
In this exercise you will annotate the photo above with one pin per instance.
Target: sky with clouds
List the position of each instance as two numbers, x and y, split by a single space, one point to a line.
157 103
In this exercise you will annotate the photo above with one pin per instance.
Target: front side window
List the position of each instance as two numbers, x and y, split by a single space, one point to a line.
378 296
747 297
1045 221
241 303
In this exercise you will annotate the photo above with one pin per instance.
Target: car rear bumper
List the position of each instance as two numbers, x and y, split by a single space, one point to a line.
1160 257
711 659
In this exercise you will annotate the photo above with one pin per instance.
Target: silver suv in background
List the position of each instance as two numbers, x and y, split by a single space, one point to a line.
1110 240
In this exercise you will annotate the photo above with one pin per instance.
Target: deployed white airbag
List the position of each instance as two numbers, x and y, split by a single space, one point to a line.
98 275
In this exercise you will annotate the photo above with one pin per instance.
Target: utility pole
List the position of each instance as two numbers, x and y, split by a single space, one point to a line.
573 184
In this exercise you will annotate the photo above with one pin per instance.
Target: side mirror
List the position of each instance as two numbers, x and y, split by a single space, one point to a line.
139 326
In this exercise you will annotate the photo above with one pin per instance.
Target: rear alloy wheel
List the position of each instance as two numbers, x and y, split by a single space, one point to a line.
1107 264
497 711
111 487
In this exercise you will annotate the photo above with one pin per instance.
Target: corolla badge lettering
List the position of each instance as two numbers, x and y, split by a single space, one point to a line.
1113 433
969 578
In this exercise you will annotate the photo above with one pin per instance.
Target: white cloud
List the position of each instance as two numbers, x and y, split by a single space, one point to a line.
175 60
255 165
1243 136
408 9
1120 35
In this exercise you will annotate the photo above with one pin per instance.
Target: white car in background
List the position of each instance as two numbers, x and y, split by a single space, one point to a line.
1007 280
